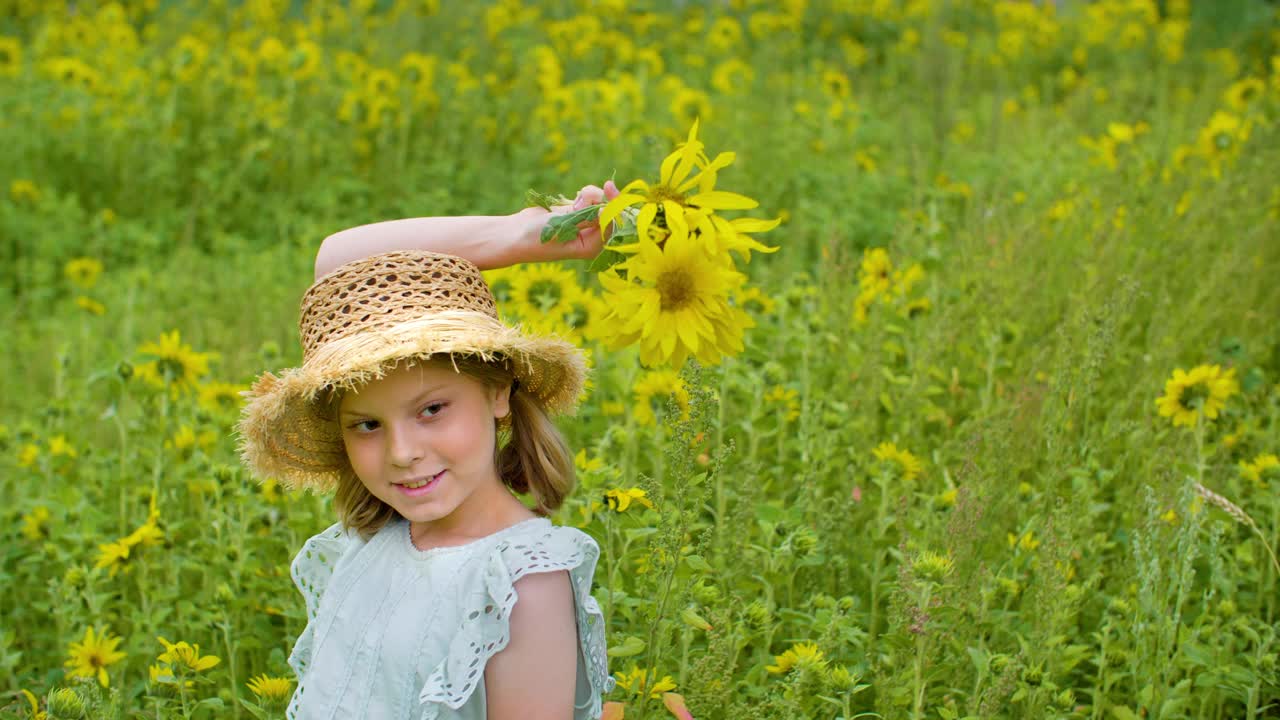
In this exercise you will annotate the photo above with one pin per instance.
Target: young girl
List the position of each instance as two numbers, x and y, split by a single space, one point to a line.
439 593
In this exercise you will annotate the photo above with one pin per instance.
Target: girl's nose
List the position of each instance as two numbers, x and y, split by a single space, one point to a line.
404 449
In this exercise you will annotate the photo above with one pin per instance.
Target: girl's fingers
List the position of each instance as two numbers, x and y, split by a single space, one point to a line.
589 195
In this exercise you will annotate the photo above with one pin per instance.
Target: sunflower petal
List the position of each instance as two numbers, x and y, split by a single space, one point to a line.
722 200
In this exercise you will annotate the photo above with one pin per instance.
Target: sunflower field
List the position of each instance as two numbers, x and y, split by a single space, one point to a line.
951 391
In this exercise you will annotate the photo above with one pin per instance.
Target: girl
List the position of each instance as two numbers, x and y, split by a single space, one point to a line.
438 594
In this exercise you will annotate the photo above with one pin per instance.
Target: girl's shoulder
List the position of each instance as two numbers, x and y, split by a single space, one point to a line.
532 546
537 545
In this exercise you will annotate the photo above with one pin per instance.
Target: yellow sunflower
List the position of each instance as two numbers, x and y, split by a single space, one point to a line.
673 193
174 365
801 656
1202 391
876 273
185 657
270 690
90 657
543 289
83 272
660 384
675 302
10 56
909 464
1267 464
584 315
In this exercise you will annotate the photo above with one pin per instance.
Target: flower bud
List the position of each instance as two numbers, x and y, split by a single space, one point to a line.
65 704
704 593
758 614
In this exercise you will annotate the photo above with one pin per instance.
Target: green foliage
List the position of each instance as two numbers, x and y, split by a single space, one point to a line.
1053 556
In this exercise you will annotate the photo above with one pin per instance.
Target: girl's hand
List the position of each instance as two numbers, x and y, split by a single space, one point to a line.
585 246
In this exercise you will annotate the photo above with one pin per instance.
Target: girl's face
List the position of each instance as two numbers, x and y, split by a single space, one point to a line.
422 439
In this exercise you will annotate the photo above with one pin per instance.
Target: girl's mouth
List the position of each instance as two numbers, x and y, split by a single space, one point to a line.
420 487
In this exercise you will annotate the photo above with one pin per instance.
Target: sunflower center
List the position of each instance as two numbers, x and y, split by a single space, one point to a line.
544 294
501 290
577 317
171 368
676 288
660 193
1194 396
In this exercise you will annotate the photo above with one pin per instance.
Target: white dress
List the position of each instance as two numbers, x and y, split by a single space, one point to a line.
398 633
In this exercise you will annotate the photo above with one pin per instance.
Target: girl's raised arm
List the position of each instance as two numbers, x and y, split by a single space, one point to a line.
489 241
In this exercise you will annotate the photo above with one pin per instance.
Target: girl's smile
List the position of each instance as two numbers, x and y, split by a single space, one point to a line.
420 486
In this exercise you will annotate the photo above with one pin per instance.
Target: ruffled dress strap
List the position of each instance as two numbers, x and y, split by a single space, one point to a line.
485 620
311 570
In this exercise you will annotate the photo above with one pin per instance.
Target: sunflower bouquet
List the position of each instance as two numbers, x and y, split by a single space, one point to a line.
676 289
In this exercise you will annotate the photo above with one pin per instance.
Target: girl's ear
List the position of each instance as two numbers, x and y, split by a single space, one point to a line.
502 400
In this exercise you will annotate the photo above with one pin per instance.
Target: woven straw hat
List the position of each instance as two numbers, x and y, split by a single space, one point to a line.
357 323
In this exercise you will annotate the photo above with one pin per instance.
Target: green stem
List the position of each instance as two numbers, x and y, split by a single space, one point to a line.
918 665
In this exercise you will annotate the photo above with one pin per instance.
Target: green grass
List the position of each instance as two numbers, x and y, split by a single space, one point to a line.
1028 386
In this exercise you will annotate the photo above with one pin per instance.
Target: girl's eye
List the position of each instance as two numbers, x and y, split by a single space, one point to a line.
368 426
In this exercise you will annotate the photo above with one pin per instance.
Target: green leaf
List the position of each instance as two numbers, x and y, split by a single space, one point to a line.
258 712
979 658
564 228
630 646
696 562
1120 712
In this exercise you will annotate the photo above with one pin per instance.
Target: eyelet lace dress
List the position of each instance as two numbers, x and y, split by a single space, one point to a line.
398 633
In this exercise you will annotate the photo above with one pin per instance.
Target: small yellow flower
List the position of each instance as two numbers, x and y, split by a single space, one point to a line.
1256 469
24 191
35 524
186 657
1202 391
83 271
113 556
271 690
619 500
583 464
1026 541
909 465
90 657
947 498
163 675
659 385
174 364
186 440
786 399
1243 93
638 680
800 656
28 455
91 306
58 446
218 396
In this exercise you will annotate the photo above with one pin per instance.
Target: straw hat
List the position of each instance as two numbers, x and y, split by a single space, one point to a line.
360 320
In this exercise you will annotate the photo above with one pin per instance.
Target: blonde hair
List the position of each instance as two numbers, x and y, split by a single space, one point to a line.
530 454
